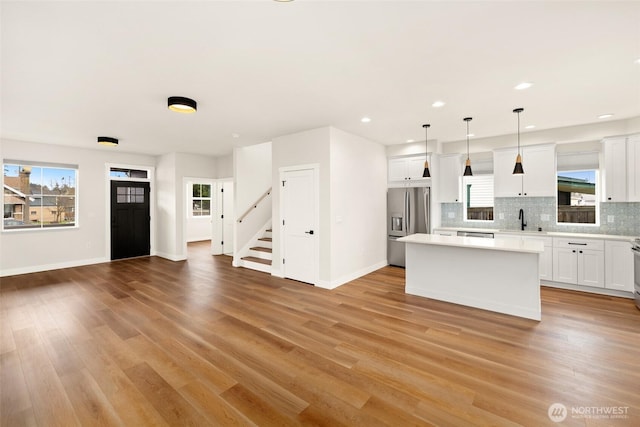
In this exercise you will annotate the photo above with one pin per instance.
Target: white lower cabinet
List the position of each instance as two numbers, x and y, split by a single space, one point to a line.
578 261
618 265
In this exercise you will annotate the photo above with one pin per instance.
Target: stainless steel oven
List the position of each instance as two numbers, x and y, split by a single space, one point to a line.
636 270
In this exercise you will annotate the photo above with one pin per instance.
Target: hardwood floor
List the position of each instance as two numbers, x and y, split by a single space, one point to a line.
153 342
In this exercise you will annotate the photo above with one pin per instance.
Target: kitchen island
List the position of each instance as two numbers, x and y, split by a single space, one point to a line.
496 275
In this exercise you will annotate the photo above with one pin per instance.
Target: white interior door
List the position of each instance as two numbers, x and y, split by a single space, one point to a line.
228 217
300 230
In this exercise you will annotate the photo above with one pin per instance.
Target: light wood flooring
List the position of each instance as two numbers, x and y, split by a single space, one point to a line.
153 342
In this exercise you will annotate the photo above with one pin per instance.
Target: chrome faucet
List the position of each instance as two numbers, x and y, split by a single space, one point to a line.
521 218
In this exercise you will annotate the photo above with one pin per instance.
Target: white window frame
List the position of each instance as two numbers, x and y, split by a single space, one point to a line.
42 226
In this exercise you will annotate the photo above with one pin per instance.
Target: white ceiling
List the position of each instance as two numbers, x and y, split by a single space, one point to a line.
72 71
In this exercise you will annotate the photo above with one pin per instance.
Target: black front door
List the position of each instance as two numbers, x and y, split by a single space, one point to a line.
130 235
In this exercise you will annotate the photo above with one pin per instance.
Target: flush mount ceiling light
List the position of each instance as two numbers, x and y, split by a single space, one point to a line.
467 167
180 104
107 140
518 170
426 173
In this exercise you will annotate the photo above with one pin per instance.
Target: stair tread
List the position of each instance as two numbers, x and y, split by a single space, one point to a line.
258 260
261 249
265 239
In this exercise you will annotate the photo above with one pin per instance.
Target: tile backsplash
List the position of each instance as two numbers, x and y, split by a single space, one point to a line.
615 218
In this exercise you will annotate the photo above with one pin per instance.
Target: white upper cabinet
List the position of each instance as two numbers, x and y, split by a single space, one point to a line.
615 169
402 169
621 174
539 178
449 173
633 168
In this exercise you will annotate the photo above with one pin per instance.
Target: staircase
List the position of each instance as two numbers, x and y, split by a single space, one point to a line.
259 257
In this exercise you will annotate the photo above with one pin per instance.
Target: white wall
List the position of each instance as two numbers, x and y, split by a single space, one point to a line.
304 148
192 166
37 250
252 178
198 227
224 166
167 207
358 206
353 174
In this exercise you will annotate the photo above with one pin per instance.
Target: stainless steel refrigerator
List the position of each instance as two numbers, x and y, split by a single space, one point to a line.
407 213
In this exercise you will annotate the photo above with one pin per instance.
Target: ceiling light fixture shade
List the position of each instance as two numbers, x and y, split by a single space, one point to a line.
107 140
518 169
467 166
181 104
426 173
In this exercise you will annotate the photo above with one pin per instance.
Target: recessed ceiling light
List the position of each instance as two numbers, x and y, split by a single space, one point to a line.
365 120
637 61
471 134
283 1
530 126
438 104
523 85
605 116
410 140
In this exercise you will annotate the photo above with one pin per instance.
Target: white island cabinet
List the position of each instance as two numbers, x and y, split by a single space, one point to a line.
492 274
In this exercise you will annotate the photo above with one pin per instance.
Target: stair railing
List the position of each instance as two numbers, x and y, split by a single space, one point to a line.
255 205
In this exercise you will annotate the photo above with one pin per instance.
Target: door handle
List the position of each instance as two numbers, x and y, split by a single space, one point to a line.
309 232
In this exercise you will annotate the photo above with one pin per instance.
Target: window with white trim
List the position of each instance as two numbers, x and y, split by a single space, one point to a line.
201 200
39 195
578 191
477 192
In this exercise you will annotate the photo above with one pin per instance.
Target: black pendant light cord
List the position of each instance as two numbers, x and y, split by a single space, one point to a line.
426 173
467 167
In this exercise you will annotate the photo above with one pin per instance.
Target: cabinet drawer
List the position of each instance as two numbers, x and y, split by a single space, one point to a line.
561 242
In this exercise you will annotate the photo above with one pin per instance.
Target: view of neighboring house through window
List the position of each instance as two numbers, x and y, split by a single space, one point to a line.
201 200
577 197
39 196
478 197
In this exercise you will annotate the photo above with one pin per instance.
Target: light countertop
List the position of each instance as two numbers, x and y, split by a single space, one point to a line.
515 245
542 233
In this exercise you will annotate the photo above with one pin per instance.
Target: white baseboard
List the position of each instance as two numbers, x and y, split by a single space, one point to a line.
171 257
46 267
352 276
588 289
277 273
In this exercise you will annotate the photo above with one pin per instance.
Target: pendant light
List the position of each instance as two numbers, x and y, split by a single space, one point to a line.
426 173
518 170
180 104
467 167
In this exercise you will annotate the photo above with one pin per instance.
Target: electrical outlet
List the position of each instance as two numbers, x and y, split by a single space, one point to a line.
451 215
501 215
611 218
